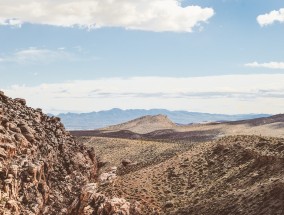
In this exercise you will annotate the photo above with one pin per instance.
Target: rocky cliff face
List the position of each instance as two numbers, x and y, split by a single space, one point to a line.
42 169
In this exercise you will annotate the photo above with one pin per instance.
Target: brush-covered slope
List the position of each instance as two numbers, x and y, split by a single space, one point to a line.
234 175
42 169
143 124
279 119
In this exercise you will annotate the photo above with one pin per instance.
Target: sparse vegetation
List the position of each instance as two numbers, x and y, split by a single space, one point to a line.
233 175
198 169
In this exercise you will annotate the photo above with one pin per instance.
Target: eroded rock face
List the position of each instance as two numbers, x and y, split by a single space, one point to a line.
42 169
108 177
91 202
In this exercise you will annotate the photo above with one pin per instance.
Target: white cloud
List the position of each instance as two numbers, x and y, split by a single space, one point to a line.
270 65
149 15
10 22
35 55
217 94
271 17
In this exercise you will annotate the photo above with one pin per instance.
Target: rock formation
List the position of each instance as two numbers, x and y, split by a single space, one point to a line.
42 169
91 202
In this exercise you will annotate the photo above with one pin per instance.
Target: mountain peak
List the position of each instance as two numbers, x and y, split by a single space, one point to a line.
144 124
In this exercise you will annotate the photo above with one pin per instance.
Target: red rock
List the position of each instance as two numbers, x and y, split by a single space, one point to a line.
39 178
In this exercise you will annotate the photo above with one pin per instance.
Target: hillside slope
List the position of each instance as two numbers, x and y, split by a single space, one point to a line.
143 124
235 175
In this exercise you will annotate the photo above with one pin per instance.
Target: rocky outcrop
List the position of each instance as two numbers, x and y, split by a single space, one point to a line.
108 177
91 202
42 169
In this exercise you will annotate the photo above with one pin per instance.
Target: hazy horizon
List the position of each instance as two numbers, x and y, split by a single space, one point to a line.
115 108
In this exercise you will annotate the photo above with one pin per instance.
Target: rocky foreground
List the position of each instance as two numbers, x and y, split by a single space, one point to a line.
43 170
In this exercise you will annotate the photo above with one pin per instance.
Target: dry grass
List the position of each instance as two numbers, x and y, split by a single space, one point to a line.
143 152
234 175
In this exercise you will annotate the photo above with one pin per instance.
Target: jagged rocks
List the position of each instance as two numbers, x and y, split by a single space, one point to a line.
42 169
21 101
90 202
108 177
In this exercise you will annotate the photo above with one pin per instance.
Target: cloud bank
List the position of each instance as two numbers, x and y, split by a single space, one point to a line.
148 15
216 94
269 65
271 17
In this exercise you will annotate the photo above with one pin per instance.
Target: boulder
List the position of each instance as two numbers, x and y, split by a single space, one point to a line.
21 101
90 202
126 162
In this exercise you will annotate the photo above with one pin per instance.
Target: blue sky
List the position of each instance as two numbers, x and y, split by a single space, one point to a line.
55 44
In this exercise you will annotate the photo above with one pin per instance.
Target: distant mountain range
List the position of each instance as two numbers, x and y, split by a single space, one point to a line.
100 119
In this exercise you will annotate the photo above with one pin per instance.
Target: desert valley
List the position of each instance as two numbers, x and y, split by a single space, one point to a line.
148 165
141 107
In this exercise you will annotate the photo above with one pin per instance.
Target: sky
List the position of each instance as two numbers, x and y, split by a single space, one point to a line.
215 56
